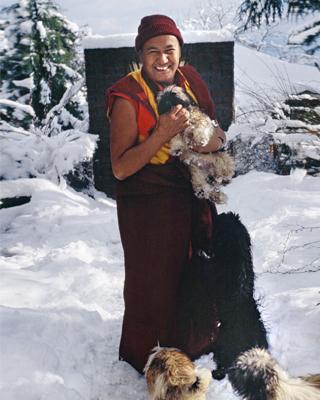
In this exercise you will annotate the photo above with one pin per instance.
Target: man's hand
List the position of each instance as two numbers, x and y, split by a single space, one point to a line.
217 141
172 123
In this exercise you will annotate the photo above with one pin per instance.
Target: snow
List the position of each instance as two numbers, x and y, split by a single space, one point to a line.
109 41
26 42
38 155
27 83
275 81
45 94
62 281
3 41
69 72
14 104
127 39
26 27
302 36
42 30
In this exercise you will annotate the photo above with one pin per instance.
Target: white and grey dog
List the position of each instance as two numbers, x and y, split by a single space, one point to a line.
257 376
208 171
171 375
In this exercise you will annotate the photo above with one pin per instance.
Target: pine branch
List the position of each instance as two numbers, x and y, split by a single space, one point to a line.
254 12
7 128
15 104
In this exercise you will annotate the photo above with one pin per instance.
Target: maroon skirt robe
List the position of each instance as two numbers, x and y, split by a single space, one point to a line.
158 216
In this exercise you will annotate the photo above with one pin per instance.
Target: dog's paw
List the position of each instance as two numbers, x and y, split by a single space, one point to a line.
176 152
211 179
200 193
219 198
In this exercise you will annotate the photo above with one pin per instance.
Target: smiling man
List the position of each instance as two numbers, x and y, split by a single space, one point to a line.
160 220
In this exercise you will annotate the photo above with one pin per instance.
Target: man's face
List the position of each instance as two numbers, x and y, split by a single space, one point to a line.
160 58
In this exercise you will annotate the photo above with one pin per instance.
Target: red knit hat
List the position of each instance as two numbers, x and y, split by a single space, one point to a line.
156 25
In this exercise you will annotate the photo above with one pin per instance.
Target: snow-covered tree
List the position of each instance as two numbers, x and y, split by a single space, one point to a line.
212 15
15 63
307 35
40 63
302 43
53 55
257 11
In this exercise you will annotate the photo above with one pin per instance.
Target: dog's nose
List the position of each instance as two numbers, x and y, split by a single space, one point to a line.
218 374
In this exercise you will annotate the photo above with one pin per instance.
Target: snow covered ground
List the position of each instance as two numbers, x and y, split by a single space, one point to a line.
62 278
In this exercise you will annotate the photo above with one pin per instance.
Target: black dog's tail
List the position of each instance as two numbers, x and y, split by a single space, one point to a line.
257 376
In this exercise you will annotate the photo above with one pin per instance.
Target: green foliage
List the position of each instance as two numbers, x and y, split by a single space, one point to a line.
42 44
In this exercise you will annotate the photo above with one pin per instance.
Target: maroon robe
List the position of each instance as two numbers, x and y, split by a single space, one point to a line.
160 221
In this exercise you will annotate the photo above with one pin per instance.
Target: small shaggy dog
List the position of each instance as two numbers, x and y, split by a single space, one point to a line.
223 277
171 375
257 376
208 171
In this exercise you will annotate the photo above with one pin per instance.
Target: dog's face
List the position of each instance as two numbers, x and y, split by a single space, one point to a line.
172 96
171 375
254 375
172 364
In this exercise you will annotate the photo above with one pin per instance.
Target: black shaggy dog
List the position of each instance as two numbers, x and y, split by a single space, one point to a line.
223 277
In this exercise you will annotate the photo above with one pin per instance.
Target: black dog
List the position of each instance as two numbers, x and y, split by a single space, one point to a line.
223 278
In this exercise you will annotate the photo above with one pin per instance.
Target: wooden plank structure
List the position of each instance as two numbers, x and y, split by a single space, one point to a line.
214 62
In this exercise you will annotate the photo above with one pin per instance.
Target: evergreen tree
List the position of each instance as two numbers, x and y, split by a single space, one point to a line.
15 62
43 46
54 59
257 12
254 12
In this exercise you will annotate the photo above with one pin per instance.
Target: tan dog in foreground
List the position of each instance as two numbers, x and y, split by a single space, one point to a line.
171 375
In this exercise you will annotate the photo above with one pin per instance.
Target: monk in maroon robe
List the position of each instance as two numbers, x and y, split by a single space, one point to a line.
160 220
